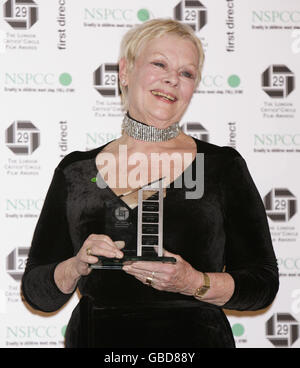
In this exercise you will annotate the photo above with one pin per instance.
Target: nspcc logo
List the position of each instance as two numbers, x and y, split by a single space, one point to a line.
22 137
191 12
280 204
278 81
282 330
20 14
106 80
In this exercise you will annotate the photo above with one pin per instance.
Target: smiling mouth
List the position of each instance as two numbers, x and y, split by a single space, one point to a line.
164 95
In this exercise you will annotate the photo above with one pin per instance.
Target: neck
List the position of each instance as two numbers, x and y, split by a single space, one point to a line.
143 132
148 121
143 146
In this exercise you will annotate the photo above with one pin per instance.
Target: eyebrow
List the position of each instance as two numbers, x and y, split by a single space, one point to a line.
159 53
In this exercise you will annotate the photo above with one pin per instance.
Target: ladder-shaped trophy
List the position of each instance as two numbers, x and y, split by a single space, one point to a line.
148 243
150 219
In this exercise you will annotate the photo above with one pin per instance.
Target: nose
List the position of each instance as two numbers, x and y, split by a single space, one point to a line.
171 78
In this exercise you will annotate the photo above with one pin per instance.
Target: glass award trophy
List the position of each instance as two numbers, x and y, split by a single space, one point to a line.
143 236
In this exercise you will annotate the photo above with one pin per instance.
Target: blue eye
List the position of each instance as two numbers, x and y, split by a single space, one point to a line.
187 75
161 65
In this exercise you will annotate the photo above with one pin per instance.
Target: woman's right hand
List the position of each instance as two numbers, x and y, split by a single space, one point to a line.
67 273
96 245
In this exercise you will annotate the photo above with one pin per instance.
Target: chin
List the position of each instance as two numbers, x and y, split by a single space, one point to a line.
163 123
164 119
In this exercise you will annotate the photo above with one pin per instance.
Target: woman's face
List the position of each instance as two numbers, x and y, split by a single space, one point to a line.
162 81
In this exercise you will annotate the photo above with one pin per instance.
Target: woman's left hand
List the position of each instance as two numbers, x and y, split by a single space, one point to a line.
180 277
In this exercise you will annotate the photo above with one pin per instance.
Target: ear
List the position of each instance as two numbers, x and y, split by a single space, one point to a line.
123 74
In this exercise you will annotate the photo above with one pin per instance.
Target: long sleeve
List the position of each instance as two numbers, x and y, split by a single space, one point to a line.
51 245
249 254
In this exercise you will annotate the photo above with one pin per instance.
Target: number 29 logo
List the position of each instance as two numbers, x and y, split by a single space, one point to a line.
280 204
282 330
106 80
16 262
22 137
20 14
278 81
193 13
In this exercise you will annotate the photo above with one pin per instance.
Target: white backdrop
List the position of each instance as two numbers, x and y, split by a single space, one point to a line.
53 101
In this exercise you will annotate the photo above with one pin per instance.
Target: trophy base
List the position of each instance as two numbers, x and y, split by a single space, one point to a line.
117 264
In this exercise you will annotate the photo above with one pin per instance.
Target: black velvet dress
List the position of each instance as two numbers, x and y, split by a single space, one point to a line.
226 227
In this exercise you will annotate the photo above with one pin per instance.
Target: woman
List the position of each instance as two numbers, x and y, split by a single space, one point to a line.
221 241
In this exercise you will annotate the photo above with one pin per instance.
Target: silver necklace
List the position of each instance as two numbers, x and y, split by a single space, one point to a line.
148 133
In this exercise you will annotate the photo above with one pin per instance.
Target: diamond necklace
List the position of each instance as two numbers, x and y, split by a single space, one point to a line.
148 133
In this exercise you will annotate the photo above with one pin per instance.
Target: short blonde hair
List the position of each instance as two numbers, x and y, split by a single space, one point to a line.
134 39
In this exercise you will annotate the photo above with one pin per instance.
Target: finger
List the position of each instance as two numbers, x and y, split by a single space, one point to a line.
120 244
90 253
169 254
142 275
158 267
142 279
139 273
90 260
100 248
154 284
101 237
136 273
106 240
116 245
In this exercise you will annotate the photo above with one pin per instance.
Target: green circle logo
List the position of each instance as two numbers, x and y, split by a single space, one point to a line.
63 331
143 15
238 330
65 79
234 81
